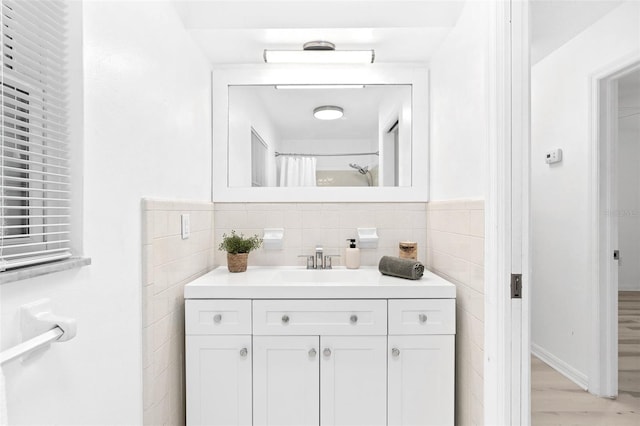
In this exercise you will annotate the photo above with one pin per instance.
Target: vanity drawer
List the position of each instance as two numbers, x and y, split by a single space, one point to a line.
315 317
217 317
422 316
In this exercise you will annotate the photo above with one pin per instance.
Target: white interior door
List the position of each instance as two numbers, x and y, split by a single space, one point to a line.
421 389
507 341
520 357
605 382
353 377
286 380
218 376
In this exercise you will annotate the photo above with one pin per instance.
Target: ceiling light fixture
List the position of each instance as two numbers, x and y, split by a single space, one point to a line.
319 86
319 52
328 112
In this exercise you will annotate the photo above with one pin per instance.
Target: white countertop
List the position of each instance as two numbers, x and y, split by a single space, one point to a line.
264 282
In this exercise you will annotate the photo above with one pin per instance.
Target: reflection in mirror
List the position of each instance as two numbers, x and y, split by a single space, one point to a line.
278 135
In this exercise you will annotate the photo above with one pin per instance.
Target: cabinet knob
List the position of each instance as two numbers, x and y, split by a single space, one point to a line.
217 318
243 352
312 352
354 319
422 318
395 352
326 352
285 319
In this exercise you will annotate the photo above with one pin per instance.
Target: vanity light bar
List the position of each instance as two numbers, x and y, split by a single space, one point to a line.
319 56
319 86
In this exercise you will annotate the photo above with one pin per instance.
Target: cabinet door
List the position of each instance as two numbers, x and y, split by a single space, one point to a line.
421 380
286 380
353 380
218 380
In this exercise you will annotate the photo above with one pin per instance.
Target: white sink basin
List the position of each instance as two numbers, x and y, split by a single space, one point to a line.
294 282
326 276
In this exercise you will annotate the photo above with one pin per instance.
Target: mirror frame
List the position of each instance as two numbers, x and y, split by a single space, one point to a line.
269 74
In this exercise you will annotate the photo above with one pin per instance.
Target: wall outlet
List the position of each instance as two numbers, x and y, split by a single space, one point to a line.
553 156
185 226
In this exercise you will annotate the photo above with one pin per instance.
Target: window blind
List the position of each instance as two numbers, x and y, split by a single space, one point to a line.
35 188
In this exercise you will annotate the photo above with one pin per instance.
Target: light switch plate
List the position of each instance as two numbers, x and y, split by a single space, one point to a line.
553 156
185 225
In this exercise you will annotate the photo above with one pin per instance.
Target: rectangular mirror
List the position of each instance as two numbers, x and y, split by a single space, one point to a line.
267 141
319 135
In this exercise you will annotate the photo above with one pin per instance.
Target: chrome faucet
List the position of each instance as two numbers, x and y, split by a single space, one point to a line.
319 259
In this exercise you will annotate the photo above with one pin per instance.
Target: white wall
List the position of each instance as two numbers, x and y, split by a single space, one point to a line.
248 112
458 105
560 305
168 264
147 133
629 202
458 169
455 251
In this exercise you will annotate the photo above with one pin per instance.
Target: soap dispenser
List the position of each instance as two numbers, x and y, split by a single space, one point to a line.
352 255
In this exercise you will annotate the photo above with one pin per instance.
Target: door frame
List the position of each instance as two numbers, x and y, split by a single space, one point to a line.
507 342
603 238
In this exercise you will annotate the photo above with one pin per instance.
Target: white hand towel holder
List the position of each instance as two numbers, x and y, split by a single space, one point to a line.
39 327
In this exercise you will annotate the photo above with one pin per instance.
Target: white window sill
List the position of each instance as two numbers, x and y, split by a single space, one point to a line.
47 268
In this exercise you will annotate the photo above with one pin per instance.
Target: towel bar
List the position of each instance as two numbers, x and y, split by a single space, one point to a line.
31 344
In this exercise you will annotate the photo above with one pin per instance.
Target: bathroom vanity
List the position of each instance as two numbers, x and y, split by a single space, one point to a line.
290 346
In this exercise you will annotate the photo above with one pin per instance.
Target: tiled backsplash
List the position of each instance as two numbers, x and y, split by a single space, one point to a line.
327 224
168 263
455 250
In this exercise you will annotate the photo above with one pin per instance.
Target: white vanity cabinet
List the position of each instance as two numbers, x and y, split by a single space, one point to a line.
353 377
320 362
421 362
311 380
316 360
218 362
286 380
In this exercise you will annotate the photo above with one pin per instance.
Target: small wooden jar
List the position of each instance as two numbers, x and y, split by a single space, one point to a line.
408 250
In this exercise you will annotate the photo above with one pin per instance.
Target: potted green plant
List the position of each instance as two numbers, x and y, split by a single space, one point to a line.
238 248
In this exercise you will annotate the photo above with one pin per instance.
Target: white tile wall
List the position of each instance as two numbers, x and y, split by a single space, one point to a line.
455 250
327 224
168 263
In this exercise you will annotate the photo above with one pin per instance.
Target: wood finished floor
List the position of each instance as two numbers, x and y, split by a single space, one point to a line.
555 400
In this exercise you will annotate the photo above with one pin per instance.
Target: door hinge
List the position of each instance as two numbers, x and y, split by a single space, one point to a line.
516 286
616 255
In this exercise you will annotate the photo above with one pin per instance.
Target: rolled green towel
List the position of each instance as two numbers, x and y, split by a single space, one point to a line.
401 268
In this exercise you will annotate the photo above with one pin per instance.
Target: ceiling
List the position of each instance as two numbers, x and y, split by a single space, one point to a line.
291 111
237 31
555 22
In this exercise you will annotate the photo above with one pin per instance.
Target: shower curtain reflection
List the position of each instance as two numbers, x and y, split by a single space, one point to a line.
297 171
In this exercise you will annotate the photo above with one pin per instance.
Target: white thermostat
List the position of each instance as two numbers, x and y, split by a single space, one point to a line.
553 156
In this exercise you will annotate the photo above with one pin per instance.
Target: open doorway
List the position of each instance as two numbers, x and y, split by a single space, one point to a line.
577 218
391 143
611 390
628 233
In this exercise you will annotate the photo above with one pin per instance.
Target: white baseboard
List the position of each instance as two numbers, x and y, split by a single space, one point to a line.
560 366
628 286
